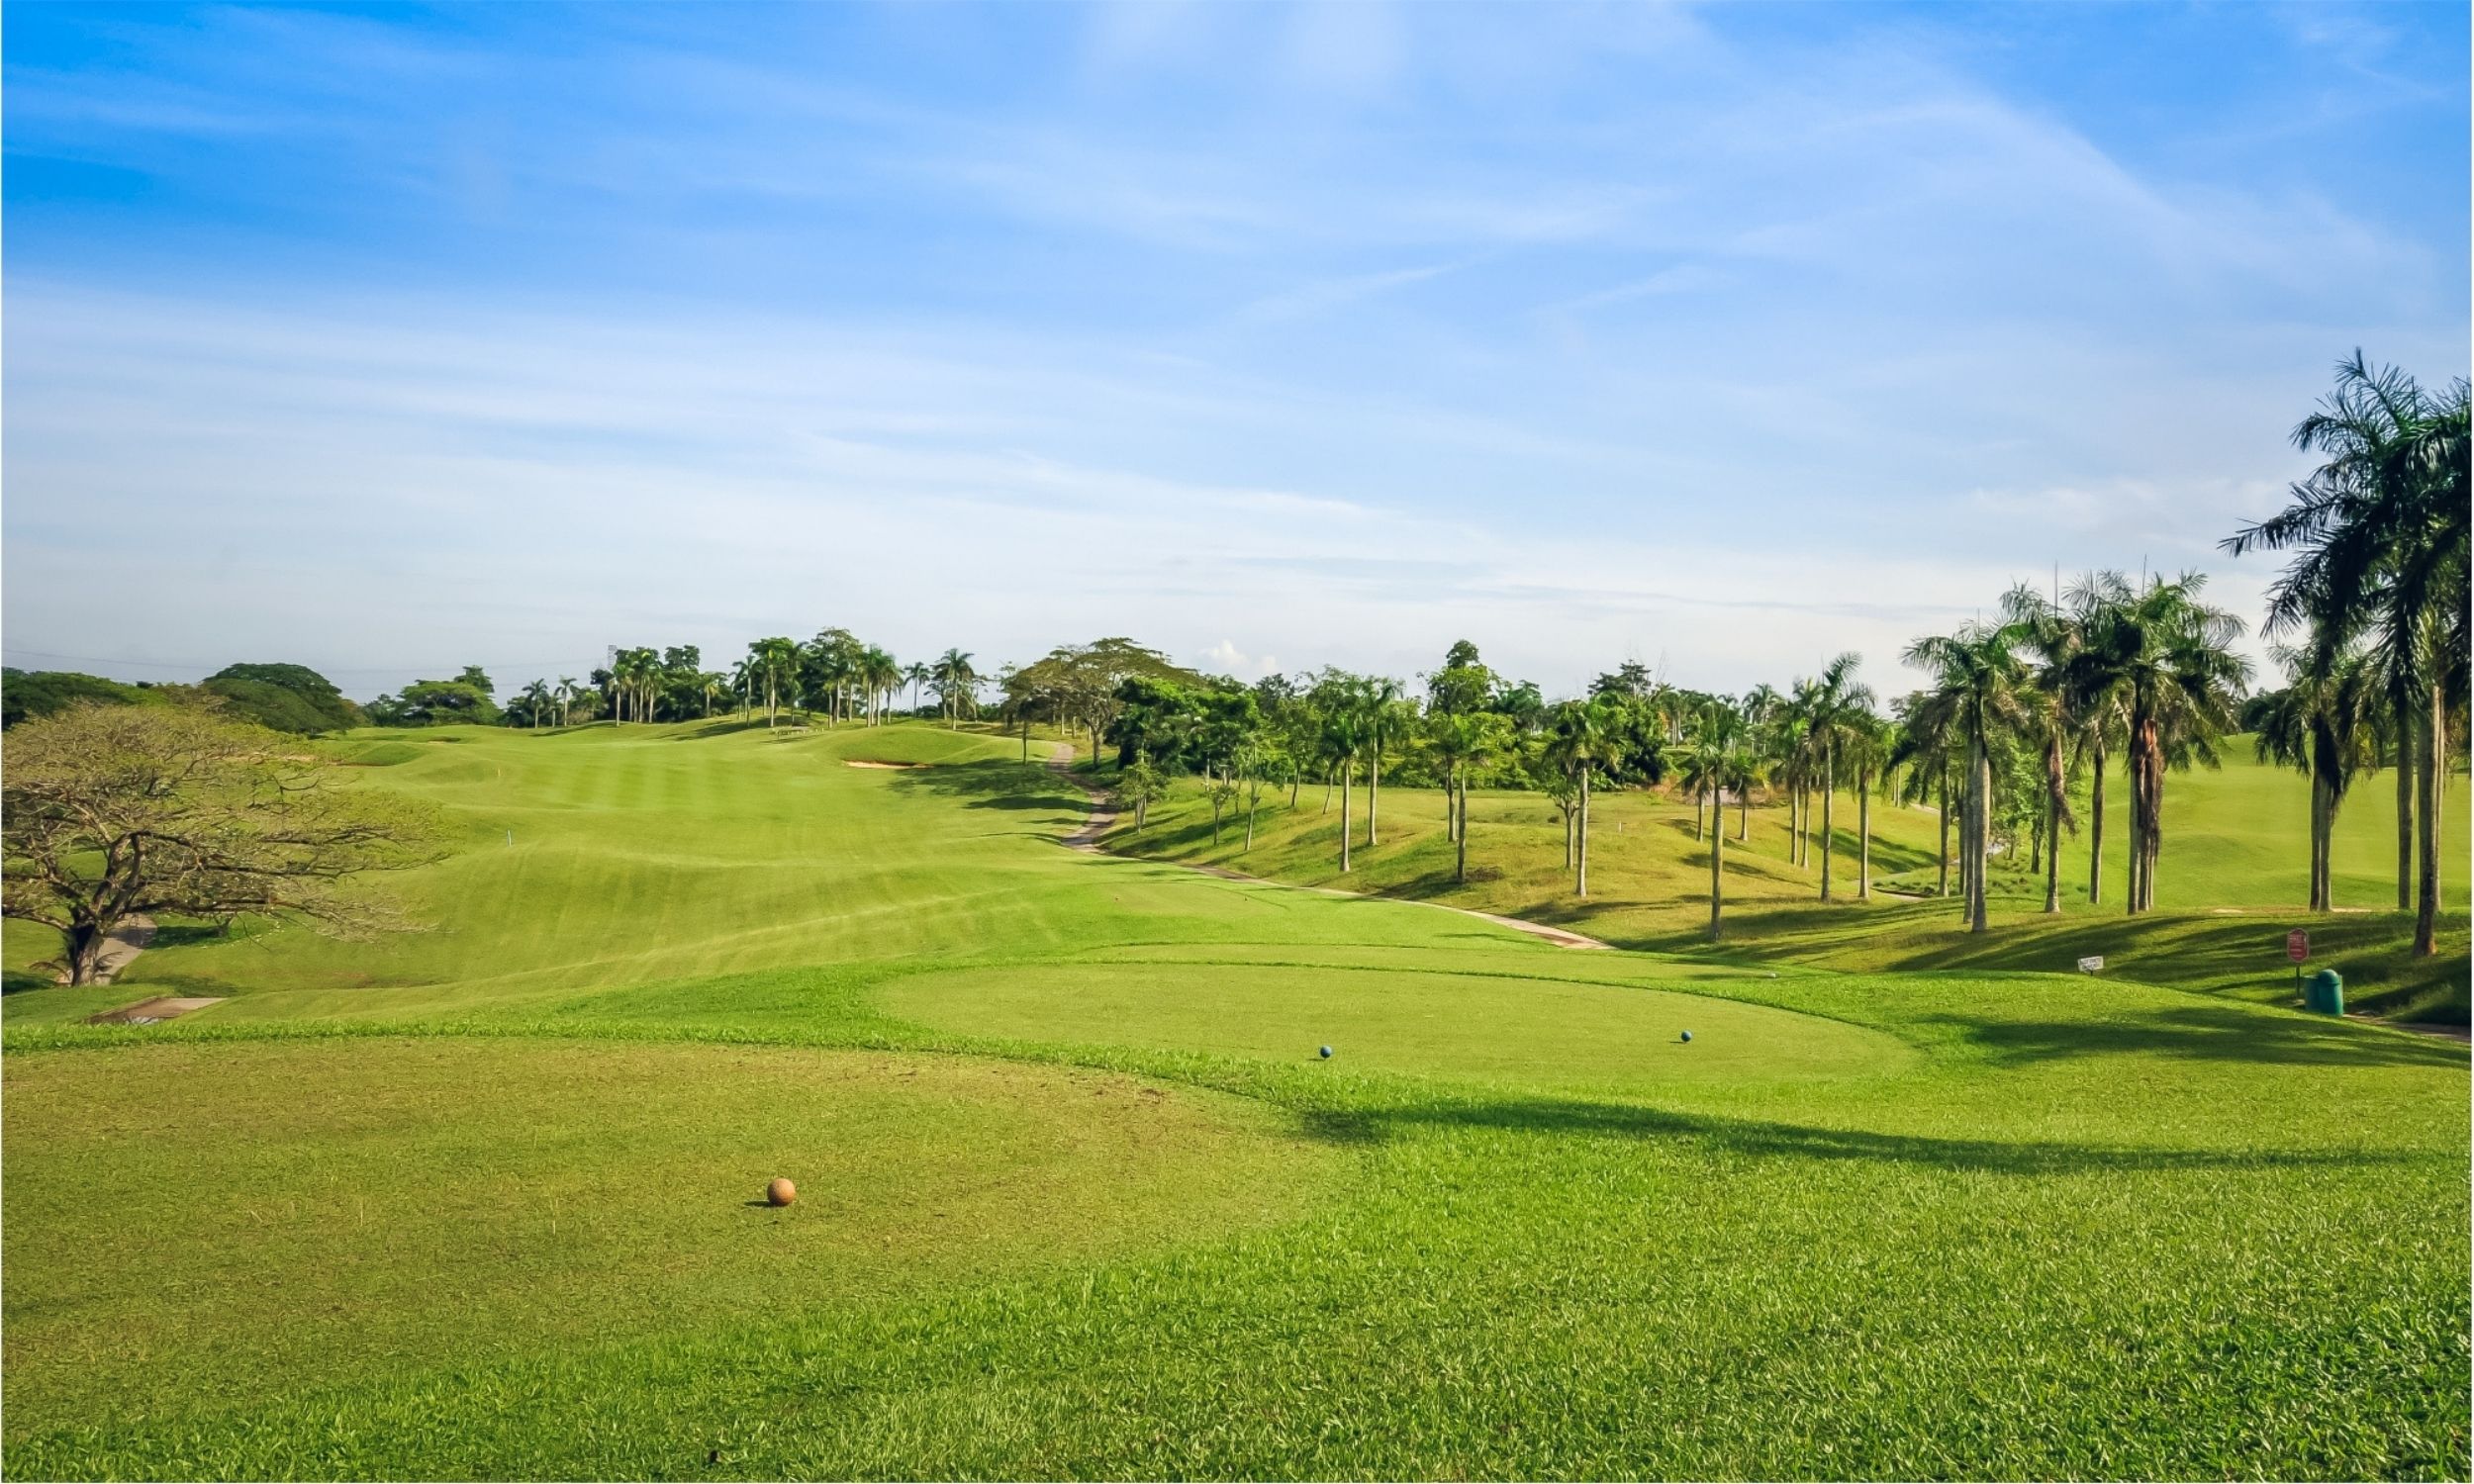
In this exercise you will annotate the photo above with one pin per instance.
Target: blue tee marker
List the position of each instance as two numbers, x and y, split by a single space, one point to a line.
1688 1035
1324 1053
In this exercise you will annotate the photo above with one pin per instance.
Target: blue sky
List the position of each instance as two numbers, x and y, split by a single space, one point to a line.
389 339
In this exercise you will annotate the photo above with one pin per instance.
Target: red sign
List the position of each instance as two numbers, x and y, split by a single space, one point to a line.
2298 945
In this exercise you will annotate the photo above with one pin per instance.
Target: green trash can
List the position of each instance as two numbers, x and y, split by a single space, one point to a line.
2324 993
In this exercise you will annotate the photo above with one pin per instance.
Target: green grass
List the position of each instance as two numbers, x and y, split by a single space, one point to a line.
347 1208
2230 885
1079 1200
1530 1033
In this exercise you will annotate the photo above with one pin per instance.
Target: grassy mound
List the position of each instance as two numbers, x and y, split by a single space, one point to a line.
1532 1032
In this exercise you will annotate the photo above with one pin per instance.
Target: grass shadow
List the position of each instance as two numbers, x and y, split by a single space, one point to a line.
2204 1032
1567 1116
718 727
1010 785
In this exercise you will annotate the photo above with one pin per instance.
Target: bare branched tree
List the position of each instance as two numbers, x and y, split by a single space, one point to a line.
115 812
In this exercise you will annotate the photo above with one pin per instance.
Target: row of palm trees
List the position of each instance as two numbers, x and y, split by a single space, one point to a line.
2054 689
834 674
2145 672
845 680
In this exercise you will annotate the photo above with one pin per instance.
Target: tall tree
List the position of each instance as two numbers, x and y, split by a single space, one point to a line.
1792 754
1389 715
1837 706
1865 747
2056 722
1460 742
774 662
957 686
2166 657
2096 712
1718 748
1341 739
1929 736
2325 723
1464 687
1977 674
2379 537
1582 739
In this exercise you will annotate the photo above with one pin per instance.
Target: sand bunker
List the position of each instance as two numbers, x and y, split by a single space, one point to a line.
148 1012
895 767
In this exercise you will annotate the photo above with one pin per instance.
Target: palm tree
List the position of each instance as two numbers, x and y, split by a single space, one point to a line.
1718 749
1838 700
772 661
2325 723
1864 745
2055 632
1928 738
566 694
1703 775
1342 738
1581 738
1979 675
2163 657
918 674
957 686
1792 754
630 674
832 669
1759 709
1460 741
2099 717
1384 719
2379 532
537 700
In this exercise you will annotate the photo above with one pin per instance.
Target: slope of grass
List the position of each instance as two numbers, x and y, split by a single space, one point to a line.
1079 1200
2228 889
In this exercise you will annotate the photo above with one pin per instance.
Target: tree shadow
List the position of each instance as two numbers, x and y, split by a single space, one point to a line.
2203 1032
1571 1116
718 727
1011 787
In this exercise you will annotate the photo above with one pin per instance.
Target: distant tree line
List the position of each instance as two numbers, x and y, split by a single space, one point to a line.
280 698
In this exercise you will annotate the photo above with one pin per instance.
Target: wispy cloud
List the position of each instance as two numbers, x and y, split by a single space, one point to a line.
1314 330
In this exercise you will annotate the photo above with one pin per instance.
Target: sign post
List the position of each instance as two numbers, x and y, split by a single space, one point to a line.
2298 948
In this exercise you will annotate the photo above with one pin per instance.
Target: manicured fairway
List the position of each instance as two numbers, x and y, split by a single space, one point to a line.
1538 1033
1079 1198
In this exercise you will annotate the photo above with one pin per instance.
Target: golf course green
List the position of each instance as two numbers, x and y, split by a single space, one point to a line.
1078 1195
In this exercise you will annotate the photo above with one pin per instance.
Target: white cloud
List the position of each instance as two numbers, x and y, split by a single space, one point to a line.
1225 657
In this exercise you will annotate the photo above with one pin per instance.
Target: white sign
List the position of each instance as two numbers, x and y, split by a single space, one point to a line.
2092 966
